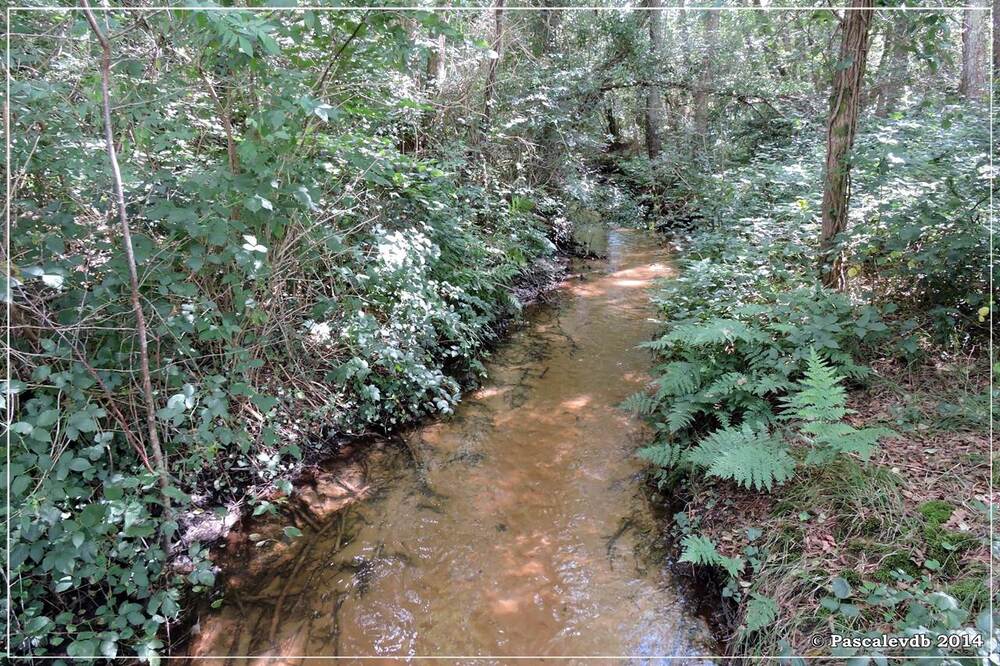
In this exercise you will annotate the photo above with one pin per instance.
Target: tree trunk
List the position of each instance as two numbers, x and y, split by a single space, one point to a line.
550 157
140 320
684 35
841 127
654 98
996 39
491 71
548 22
971 81
437 64
227 125
711 24
894 68
613 129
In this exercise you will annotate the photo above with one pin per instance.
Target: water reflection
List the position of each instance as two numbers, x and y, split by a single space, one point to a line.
524 530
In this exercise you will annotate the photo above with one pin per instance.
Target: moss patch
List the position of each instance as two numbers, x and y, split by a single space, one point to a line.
936 511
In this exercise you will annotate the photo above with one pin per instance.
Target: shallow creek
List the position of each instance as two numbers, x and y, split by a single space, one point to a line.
523 529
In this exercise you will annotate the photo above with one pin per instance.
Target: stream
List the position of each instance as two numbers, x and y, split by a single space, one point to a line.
523 529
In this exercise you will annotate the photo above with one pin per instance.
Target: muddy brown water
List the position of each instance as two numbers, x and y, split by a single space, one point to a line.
522 531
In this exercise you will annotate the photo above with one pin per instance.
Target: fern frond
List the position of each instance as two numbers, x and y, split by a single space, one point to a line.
661 455
681 415
713 332
844 438
819 397
726 384
678 378
701 550
641 404
659 344
770 383
750 458
821 403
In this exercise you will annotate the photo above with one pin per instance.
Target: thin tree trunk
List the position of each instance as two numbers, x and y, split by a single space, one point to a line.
437 64
491 72
841 129
711 24
436 75
654 98
140 321
965 77
227 125
685 41
996 39
548 170
894 68
613 129
549 20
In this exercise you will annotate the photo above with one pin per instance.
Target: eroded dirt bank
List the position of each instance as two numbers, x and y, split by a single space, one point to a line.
522 530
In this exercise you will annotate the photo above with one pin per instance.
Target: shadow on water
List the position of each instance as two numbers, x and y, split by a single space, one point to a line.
523 530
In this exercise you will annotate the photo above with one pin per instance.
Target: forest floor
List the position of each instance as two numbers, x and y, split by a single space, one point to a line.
913 510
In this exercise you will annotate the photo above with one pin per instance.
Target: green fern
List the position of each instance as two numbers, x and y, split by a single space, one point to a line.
819 397
681 415
701 550
641 404
678 378
770 383
726 384
753 459
821 403
712 332
845 438
661 455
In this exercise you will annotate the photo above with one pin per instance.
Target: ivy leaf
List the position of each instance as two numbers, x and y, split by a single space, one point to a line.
841 588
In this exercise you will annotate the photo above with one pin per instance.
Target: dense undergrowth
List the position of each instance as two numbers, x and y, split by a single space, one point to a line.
310 278
796 496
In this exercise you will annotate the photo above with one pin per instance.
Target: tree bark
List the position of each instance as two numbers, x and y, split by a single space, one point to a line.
711 25
437 64
613 129
970 83
894 68
996 39
227 125
548 170
489 95
549 19
140 320
841 129
654 97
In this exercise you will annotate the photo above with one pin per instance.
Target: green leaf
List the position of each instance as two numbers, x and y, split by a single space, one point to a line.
79 464
37 624
761 612
841 588
19 484
22 428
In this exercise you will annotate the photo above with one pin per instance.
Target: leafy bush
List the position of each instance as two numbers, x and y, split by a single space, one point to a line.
322 279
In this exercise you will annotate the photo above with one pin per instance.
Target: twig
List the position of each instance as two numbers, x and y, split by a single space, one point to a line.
140 319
